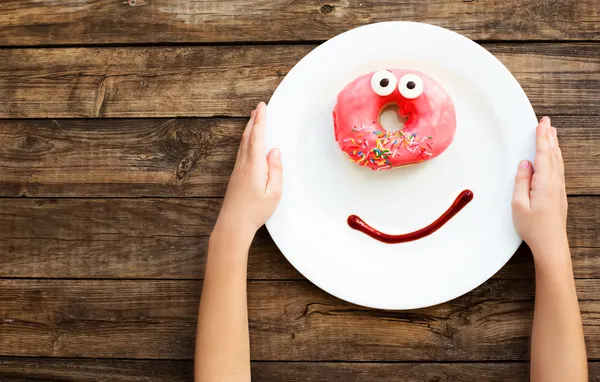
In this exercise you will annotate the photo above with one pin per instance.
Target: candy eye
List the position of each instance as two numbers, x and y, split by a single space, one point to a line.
410 86
383 82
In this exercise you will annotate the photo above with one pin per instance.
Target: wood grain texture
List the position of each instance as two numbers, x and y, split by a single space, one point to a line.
88 370
143 328
35 22
167 238
230 80
62 370
122 157
148 82
182 157
55 370
185 258
404 372
291 320
159 257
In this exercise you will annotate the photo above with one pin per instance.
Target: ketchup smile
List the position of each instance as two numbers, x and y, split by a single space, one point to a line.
461 201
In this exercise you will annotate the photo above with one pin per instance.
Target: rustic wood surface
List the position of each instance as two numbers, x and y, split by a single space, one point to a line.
64 369
183 157
35 22
166 238
28 369
61 369
210 81
107 196
289 320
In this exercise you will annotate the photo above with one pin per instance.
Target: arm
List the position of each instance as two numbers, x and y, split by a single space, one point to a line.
539 212
254 190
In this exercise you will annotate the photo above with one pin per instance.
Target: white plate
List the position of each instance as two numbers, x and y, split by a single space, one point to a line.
495 129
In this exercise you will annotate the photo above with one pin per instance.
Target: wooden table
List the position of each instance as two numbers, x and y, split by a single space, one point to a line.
120 121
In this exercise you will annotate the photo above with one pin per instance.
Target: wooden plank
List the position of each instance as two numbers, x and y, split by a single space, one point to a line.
185 258
61 370
48 369
57 369
289 321
123 157
35 22
182 157
230 80
159 257
148 82
402 372
167 238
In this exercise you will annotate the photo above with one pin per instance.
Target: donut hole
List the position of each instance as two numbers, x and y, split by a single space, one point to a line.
390 118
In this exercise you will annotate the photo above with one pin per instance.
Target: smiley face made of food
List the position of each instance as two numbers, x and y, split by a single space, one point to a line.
427 132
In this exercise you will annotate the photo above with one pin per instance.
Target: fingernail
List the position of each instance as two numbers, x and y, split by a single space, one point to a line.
554 132
524 164
545 119
261 104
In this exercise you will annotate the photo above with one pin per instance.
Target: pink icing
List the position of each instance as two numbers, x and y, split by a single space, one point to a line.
427 133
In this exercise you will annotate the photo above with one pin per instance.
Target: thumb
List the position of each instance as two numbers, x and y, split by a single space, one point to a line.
523 185
275 181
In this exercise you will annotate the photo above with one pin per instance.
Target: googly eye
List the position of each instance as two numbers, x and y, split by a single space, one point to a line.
410 86
383 83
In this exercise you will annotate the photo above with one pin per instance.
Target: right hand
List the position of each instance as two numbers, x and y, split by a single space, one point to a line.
255 185
539 203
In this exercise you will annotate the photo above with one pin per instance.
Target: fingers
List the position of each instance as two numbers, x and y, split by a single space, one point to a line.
275 181
246 135
543 155
553 137
553 144
561 163
257 136
523 185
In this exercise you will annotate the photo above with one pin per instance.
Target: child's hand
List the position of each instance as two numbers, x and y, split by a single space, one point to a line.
539 203
254 188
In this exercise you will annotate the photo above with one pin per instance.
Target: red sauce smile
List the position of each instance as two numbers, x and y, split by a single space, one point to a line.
461 201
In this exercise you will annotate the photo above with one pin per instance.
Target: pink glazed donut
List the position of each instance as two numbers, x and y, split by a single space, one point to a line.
427 132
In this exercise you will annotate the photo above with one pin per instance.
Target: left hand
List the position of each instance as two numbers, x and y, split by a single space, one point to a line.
255 185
